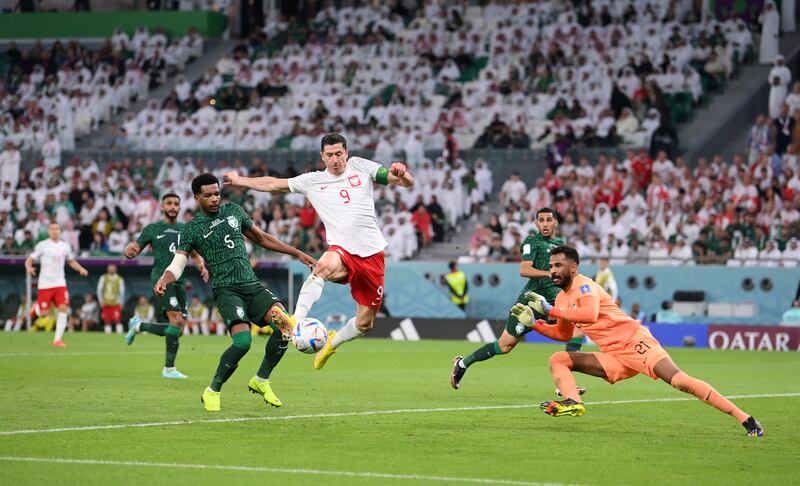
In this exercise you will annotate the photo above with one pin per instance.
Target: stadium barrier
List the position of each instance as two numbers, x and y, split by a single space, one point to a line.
735 295
742 338
754 338
748 295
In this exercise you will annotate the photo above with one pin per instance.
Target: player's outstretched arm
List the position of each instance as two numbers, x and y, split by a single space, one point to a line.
266 240
263 184
172 273
400 176
562 331
73 264
587 311
132 250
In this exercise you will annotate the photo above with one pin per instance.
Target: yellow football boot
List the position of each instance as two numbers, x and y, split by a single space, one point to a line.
264 389
325 353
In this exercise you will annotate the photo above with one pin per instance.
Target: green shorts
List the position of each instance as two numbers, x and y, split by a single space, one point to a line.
244 303
174 299
513 326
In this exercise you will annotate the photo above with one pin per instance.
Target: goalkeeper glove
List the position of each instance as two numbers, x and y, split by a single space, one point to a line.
523 313
538 303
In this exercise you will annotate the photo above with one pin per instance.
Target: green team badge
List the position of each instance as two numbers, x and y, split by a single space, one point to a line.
239 310
173 301
233 222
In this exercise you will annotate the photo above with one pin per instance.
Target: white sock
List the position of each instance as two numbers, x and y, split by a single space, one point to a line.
107 328
204 329
220 329
347 333
119 328
9 325
61 325
309 294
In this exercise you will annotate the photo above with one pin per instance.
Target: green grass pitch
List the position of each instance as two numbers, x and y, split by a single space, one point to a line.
381 412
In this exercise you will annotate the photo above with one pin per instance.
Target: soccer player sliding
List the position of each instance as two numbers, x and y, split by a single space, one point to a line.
626 347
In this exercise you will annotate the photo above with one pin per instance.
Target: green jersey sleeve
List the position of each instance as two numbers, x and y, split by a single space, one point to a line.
244 220
186 239
145 237
528 249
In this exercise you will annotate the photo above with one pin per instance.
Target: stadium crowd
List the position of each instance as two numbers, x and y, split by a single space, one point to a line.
658 211
49 96
548 73
102 209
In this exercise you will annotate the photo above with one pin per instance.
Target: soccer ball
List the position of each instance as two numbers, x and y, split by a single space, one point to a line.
309 335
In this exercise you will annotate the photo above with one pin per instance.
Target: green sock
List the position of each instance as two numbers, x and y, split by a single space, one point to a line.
172 339
273 352
483 353
574 344
153 328
229 360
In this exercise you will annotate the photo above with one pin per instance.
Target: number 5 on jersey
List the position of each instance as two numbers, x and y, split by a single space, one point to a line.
228 241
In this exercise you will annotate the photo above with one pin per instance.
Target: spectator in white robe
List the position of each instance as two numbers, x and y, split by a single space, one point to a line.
770 256
790 257
770 33
51 151
513 189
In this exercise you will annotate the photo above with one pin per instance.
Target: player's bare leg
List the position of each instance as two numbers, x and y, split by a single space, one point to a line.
273 352
562 364
668 371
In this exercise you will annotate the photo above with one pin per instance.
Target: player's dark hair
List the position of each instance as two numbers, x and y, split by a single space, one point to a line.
205 179
170 194
452 265
332 139
545 211
568 252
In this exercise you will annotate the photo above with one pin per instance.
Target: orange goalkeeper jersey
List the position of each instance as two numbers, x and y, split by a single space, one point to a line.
587 306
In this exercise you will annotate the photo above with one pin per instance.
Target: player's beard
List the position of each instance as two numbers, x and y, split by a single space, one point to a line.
560 281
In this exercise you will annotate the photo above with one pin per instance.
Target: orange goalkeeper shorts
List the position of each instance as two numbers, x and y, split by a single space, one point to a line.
638 355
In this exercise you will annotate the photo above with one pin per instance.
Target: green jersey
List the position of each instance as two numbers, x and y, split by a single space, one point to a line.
536 249
163 238
219 240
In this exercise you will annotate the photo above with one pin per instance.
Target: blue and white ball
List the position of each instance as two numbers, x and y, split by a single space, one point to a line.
309 335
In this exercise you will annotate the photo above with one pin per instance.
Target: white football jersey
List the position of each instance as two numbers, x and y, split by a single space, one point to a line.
346 205
52 256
